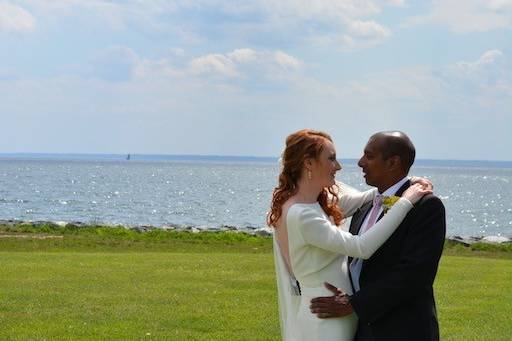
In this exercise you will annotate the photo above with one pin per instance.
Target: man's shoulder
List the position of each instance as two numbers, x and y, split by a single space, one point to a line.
429 209
431 202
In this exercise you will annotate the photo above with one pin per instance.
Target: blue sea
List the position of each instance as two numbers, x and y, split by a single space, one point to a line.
209 192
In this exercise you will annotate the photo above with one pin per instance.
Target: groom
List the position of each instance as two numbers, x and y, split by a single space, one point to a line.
393 295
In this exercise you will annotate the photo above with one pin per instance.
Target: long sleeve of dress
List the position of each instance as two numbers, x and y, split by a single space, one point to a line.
350 199
320 232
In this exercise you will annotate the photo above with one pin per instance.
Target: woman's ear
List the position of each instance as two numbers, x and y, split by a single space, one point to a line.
308 163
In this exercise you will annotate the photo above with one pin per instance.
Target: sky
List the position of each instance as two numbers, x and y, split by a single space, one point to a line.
225 77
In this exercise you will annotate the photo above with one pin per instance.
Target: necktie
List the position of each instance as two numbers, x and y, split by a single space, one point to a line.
374 213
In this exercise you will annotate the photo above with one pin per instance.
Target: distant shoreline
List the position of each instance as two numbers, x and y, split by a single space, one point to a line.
226 158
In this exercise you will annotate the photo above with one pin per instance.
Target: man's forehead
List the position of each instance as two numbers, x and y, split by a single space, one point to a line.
374 140
374 143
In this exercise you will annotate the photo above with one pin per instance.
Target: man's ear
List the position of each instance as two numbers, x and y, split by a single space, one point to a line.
394 163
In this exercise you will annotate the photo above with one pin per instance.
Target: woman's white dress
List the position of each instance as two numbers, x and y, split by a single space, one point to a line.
318 250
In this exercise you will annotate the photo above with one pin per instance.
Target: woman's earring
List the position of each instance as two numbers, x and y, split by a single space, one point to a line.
309 175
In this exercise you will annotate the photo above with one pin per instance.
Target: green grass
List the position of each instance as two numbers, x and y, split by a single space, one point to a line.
96 284
474 297
131 296
119 239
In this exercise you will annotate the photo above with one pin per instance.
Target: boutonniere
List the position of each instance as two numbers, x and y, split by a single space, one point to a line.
388 202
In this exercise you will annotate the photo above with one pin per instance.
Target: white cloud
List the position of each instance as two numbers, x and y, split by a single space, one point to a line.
118 15
243 55
487 59
405 86
214 64
344 18
244 62
465 16
286 61
280 10
177 51
367 29
497 5
320 10
15 19
359 34
488 77
301 9
398 3
163 103
464 88
301 19
362 34
245 66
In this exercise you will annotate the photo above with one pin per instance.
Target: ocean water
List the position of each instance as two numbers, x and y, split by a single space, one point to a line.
206 192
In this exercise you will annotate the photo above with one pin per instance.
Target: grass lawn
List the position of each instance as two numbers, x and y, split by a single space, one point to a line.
110 285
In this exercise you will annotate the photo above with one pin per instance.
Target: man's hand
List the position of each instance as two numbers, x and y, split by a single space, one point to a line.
337 305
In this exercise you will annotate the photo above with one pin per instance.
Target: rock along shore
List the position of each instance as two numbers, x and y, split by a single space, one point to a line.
258 231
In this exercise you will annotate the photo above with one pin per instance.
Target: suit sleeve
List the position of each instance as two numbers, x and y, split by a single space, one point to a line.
320 232
416 268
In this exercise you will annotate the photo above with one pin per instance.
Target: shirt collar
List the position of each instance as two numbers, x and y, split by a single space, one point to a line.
393 189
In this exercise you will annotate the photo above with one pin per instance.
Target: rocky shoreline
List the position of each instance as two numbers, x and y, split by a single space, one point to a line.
258 231
467 241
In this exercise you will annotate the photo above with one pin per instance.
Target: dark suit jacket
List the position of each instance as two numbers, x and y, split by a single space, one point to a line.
396 300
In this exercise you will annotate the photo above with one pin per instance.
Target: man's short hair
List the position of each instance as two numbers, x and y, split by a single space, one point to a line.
397 143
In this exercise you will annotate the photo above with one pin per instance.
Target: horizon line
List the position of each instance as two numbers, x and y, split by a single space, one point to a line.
3 154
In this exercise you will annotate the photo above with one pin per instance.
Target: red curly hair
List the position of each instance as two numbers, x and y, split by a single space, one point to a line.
300 146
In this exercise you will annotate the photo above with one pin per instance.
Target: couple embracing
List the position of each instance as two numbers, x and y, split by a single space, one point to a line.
374 282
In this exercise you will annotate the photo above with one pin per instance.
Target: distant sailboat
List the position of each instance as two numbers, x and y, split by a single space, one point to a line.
128 157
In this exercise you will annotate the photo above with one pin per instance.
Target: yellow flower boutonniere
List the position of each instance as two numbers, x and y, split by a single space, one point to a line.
388 202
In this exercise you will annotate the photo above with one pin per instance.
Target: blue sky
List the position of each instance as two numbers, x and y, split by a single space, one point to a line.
224 77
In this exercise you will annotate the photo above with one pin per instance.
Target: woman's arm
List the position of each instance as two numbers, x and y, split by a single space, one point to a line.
350 199
320 232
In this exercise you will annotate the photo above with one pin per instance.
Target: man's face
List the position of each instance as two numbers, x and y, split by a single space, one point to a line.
373 164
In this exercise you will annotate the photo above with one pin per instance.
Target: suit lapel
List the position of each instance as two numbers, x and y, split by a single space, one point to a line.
358 219
402 189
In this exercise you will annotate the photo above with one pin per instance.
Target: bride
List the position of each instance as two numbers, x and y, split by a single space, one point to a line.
309 246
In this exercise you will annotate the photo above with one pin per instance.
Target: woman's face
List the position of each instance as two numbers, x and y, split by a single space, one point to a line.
324 168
